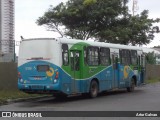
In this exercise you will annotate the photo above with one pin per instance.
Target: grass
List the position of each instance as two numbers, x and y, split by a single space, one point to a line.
150 81
13 94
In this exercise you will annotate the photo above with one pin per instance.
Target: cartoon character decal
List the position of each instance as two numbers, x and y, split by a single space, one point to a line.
51 72
126 71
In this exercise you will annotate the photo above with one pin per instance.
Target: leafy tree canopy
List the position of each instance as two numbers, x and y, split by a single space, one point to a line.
150 58
104 20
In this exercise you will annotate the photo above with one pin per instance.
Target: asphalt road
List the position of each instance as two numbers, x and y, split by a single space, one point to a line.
144 98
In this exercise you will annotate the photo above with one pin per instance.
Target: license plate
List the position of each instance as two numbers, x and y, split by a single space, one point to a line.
37 78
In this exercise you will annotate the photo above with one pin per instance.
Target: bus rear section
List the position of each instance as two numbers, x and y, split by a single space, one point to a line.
38 66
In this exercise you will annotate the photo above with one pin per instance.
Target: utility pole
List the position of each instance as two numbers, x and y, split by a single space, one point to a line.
134 7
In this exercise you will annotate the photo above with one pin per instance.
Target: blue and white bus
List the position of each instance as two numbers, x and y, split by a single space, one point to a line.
67 66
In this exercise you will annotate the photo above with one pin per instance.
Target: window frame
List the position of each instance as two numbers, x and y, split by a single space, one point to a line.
92 59
64 51
106 56
134 56
125 56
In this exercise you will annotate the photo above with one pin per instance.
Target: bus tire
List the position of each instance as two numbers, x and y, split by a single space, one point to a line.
132 86
93 91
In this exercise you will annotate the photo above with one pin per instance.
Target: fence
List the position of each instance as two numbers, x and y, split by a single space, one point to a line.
8 76
152 72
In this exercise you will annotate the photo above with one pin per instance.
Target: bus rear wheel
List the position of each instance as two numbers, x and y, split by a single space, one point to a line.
93 92
132 86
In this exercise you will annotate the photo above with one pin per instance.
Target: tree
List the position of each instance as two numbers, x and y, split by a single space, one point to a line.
130 29
105 20
151 58
157 46
82 18
52 19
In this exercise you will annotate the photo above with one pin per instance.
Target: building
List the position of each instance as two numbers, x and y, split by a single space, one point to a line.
7 29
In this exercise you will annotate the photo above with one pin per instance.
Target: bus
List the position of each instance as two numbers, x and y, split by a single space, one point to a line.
64 67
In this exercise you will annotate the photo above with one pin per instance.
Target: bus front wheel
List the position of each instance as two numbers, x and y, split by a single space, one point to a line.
93 92
132 86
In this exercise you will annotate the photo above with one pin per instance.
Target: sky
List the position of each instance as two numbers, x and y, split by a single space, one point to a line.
28 11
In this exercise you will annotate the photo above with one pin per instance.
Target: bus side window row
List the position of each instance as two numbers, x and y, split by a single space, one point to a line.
101 56
91 55
94 56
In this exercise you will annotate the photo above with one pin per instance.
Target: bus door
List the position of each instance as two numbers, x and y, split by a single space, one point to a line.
115 71
75 70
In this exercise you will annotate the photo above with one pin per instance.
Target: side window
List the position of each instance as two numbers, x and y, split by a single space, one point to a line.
75 59
105 56
134 57
65 54
125 57
93 56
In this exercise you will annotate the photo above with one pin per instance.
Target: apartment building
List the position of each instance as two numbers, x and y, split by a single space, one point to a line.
6 27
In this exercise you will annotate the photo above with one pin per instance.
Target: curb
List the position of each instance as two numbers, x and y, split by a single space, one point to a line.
10 101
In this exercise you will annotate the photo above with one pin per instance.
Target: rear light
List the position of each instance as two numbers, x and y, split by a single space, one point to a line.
19 75
57 75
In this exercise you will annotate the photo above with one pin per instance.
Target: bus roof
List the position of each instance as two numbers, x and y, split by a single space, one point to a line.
93 43
100 44
38 39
